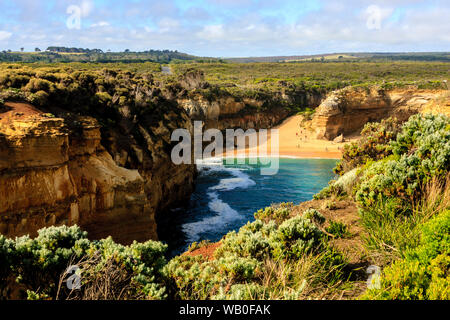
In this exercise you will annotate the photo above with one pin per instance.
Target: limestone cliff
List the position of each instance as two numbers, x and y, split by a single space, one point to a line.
225 111
347 110
56 171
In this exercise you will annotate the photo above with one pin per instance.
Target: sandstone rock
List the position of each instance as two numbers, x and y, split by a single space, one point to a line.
339 139
346 111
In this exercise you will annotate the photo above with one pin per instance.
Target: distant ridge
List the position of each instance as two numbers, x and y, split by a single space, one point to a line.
346 56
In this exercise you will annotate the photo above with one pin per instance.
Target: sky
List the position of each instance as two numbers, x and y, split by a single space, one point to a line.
228 28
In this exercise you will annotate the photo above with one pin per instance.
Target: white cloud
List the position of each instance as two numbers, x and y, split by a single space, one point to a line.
86 7
5 35
212 32
375 15
168 24
100 24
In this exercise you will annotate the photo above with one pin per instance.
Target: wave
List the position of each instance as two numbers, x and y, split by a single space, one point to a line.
224 215
239 180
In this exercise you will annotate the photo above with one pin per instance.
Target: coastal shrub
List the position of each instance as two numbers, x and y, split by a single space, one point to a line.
314 215
246 261
405 189
192 278
6 263
238 268
277 213
421 153
35 85
373 145
245 244
424 272
338 229
38 263
39 98
295 237
122 272
250 291
333 189
40 266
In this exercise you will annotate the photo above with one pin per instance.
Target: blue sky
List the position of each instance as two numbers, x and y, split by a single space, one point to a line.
229 28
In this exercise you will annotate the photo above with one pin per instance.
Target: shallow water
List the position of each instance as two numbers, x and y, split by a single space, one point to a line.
227 196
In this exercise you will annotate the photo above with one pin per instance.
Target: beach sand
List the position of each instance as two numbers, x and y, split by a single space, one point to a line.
298 141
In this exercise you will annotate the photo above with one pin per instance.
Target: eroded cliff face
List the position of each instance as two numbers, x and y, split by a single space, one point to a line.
228 112
346 111
56 171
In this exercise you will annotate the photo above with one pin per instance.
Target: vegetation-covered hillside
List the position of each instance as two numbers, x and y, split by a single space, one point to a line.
403 198
329 76
62 54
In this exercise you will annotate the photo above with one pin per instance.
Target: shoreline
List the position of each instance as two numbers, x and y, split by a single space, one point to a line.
295 141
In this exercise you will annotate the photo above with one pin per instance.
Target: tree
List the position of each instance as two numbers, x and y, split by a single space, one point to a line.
37 50
21 49
127 50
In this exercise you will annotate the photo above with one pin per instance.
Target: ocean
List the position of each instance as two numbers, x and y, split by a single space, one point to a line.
227 196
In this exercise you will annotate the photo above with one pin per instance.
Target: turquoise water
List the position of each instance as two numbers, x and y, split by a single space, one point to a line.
227 196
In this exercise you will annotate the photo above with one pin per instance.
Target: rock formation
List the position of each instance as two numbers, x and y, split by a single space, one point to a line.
347 110
56 171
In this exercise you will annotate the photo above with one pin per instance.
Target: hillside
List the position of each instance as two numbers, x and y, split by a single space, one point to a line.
90 145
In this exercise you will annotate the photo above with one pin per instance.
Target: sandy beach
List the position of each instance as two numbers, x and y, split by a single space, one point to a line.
300 142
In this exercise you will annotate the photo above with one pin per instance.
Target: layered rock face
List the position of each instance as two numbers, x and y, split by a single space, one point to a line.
52 175
346 111
228 112
56 171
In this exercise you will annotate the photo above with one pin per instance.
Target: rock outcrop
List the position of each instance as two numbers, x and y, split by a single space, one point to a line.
347 110
225 111
56 171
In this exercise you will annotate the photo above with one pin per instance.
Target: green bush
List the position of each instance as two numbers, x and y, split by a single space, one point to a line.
421 152
35 85
338 229
139 269
277 213
424 272
6 263
39 265
245 244
314 215
295 237
192 278
251 291
373 145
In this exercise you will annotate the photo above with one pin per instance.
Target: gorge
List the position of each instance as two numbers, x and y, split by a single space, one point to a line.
103 162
